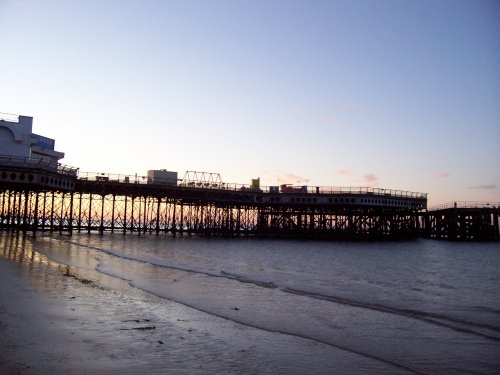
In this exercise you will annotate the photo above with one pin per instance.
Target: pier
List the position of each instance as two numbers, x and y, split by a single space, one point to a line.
38 193
38 196
476 221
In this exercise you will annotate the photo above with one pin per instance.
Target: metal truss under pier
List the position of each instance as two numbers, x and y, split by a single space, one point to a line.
101 204
36 196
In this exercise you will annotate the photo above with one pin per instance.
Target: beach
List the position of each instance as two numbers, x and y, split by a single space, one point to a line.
129 305
54 321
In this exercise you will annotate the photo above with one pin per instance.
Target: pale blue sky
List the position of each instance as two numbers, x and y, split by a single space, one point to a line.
395 94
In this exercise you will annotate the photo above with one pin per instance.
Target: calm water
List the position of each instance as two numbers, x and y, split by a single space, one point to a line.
405 307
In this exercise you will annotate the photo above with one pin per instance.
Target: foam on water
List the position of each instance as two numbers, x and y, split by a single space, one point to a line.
418 306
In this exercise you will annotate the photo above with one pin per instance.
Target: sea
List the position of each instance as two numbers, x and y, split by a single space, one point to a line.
309 307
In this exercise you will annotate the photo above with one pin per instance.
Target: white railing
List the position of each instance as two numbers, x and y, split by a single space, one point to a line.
10 117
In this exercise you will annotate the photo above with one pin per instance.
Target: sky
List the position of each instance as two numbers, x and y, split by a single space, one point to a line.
395 94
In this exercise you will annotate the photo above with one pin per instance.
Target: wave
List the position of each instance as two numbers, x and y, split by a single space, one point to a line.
486 308
457 324
399 365
437 319
242 279
221 274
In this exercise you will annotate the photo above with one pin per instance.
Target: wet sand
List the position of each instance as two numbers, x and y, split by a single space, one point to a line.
58 320
52 322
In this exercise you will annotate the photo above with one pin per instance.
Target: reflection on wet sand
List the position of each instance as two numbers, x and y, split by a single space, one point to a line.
61 319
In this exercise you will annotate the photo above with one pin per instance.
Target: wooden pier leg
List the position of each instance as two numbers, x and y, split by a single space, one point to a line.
174 224
145 216
139 216
18 210
158 203
101 226
70 224
25 213
8 213
61 216
132 216
52 212
496 225
79 222
44 210
2 214
35 217
89 224
125 217
181 224
238 221
113 213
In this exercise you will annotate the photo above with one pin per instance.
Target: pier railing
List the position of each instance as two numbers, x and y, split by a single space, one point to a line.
327 190
38 163
464 204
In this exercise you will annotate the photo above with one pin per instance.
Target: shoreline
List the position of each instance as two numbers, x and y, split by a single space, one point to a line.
59 323
84 307
55 319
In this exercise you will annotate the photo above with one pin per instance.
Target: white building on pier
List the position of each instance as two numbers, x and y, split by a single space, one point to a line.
18 140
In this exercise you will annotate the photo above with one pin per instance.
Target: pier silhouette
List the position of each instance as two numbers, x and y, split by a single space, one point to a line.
37 196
